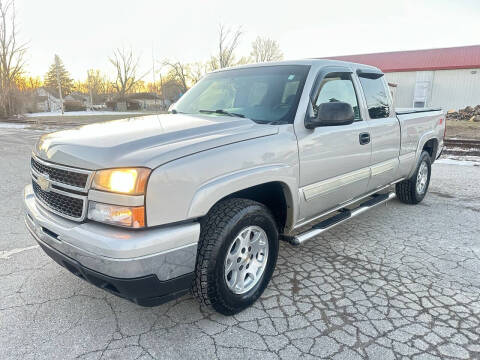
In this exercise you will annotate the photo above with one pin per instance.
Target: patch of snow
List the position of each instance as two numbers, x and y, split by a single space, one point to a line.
12 126
471 161
81 113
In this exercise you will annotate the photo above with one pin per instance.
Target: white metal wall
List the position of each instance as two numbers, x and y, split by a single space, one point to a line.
405 87
450 90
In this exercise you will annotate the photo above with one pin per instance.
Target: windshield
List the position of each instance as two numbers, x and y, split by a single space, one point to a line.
265 94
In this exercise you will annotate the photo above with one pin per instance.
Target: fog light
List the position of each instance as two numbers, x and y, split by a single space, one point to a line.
126 216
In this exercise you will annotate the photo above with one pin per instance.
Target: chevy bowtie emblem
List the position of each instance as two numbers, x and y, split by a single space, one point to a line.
44 182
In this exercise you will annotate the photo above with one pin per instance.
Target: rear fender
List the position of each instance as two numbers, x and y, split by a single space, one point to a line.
421 143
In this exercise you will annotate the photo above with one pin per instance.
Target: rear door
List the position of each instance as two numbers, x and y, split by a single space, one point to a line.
383 128
334 163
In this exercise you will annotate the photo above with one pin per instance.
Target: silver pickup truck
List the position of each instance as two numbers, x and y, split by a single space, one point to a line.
149 208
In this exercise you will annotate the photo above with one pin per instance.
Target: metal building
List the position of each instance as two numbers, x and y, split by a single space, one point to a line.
448 78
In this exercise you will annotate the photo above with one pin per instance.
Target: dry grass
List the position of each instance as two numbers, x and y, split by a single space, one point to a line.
463 129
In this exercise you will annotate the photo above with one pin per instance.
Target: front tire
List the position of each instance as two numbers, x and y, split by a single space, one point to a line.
237 254
414 189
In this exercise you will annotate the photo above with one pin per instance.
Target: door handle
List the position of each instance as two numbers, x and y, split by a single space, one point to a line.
364 138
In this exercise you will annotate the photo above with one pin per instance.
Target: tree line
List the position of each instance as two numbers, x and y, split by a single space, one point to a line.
169 78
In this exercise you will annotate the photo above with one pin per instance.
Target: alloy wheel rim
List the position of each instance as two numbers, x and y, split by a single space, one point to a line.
246 259
422 178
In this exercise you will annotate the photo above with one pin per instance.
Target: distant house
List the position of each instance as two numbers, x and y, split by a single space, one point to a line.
76 101
44 100
172 91
79 97
146 101
138 101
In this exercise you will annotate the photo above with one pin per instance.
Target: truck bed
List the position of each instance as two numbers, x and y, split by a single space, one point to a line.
416 126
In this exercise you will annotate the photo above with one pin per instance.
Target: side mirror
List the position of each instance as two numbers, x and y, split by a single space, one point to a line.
331 114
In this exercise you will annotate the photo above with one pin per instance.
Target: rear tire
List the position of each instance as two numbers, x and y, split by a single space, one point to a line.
413 190
229 232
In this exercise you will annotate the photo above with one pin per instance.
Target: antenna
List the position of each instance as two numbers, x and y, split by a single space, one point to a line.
153 74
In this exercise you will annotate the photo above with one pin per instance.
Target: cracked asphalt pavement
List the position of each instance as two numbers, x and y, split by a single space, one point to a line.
397 282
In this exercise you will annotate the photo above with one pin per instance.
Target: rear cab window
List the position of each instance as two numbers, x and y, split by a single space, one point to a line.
376 96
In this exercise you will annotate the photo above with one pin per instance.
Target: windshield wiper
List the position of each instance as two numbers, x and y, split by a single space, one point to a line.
177 112
222 112
270 122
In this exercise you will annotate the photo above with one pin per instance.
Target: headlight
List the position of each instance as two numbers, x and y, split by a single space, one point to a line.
130 181
128 216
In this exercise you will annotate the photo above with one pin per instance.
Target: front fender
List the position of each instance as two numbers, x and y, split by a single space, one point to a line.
216 189
188 187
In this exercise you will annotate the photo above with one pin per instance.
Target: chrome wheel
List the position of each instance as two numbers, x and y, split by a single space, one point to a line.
246 259
422 178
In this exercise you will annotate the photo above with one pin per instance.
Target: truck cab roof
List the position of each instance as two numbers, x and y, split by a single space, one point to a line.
313 62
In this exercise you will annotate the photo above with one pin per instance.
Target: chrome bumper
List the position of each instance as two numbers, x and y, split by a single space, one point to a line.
167 252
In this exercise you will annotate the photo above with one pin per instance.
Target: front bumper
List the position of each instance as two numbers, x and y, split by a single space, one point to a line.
147 266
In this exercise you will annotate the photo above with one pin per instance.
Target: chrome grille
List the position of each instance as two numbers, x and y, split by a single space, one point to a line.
61 189
68 177
62 204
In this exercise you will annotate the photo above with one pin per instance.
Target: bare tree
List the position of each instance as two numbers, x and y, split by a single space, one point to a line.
197 71
97 85
126 66
179 73
265 49
11 57
212 63
228 41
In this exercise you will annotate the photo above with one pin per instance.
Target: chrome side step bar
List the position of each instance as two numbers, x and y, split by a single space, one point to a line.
342 216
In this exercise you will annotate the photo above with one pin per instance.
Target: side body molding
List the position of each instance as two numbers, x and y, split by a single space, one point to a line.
325 186
211 192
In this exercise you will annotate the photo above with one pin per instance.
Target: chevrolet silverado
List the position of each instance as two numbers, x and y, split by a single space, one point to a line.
150 207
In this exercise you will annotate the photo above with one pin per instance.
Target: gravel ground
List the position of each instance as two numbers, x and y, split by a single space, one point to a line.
397 282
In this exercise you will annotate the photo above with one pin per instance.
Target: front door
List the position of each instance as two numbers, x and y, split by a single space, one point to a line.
334 161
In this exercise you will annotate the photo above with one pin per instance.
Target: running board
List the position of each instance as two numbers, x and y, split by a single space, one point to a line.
342 216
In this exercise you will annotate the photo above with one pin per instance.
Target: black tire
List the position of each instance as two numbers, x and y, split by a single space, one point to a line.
218 231
406 190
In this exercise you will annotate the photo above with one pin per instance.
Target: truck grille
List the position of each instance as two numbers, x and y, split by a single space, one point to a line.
63 189
62 204
67 177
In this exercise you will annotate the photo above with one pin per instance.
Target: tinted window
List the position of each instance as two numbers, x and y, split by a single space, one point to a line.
266 94
338 87
376 96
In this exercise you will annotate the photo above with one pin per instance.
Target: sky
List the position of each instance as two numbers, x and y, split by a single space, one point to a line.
85 33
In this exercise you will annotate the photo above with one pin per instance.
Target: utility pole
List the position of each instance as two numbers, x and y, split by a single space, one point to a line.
163 92
153 74
90 89
58 81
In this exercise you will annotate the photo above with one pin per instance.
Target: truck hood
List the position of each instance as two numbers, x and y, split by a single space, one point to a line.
148 141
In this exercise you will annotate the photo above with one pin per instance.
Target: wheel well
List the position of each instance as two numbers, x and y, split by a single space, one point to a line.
431 147
274 195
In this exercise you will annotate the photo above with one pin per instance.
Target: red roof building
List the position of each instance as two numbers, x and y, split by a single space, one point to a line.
447 78
463 57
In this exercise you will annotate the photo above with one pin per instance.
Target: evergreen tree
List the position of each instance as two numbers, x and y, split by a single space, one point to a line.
65 80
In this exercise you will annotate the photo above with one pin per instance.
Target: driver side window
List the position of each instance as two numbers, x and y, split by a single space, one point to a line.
338 87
